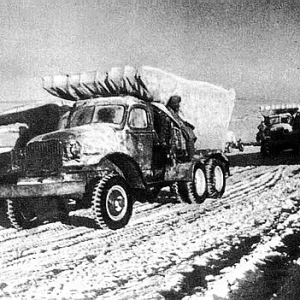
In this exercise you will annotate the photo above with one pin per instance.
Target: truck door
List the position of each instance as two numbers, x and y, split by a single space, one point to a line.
140 137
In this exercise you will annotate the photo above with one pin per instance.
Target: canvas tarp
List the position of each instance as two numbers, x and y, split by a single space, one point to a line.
208 107
40 116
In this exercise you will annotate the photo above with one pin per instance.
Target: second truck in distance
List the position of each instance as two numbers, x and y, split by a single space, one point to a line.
279 130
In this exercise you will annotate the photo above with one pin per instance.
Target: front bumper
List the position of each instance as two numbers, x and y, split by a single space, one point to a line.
38 187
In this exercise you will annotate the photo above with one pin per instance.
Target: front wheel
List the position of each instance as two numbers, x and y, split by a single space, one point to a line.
21 214
216 181
111 201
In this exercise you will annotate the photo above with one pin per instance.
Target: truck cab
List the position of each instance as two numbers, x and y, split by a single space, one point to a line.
279 130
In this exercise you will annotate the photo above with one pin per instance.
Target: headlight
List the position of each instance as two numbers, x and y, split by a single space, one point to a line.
72 149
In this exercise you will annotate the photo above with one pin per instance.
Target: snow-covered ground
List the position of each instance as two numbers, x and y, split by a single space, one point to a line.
243 246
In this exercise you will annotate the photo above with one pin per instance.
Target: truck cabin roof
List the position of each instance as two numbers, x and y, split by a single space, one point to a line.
272 110
278 119
117 100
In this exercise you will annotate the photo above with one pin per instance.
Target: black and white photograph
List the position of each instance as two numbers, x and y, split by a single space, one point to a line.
149 149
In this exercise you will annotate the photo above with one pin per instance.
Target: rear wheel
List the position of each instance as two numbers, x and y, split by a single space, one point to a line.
21 214
112 202
194 191
216 181
176 188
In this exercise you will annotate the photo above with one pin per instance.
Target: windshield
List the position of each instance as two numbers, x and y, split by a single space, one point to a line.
278 119
82 116
109 114
112 114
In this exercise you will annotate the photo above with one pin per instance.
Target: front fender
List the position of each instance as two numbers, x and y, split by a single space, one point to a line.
122 164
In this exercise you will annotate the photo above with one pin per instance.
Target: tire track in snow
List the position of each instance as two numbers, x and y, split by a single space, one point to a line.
68 238
71 248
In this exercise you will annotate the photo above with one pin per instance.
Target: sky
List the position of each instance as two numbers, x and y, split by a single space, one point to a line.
251 46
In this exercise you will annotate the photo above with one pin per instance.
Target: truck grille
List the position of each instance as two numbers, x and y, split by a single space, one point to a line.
43 157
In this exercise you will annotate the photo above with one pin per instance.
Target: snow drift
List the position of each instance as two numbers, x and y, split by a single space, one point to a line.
208 107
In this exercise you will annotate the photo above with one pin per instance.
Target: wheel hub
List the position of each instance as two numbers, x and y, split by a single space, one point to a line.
219 179
117 203
200 182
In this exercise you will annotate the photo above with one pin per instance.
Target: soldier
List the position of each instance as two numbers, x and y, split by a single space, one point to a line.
20 145
24 137
163 128
173 106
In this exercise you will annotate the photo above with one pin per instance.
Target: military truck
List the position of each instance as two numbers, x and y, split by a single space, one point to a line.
105 155
279 130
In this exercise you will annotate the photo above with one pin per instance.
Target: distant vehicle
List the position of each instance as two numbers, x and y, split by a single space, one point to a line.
279 130
233 143
105 155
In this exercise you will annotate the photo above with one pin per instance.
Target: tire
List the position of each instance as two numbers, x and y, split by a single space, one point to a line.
105 205
193 191
216 181
176 188
20 214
